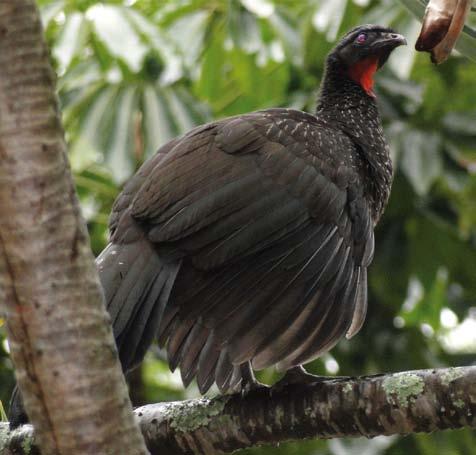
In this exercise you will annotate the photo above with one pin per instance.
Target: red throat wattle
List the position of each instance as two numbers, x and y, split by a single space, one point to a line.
363 72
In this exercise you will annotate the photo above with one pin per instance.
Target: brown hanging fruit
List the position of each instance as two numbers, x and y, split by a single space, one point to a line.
442 25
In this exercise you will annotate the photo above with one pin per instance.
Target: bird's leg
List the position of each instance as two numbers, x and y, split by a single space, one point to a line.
249 381
298 375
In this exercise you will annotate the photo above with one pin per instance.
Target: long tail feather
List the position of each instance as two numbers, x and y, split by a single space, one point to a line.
137 284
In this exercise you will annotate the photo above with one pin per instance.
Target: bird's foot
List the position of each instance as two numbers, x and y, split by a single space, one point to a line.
249 381
298 375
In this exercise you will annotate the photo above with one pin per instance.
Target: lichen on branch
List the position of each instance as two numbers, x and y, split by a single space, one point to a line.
400 403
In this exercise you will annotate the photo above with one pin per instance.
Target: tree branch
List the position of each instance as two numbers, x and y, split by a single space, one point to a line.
386 404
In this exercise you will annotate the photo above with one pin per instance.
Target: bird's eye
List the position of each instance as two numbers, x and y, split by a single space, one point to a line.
361 38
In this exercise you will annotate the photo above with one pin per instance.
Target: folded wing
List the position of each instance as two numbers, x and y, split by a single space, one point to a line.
274 236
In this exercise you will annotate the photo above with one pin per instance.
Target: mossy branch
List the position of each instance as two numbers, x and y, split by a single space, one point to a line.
385 404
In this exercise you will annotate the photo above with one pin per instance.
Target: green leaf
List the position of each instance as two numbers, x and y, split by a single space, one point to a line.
188 33
99 114
199 111
285 29
211 83
433 243
157 125
420 159
69 41
50 10
403 58
94 129
180 112
262 8
244 30
112 27
328 17
461 122
162 44
83 154
120 156
3 414
424 306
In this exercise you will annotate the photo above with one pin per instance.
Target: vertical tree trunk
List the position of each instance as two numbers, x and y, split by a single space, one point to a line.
61 345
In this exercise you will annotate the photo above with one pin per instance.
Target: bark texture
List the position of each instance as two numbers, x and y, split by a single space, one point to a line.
61 344
400 403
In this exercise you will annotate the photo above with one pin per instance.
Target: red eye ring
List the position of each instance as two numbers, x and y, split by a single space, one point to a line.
361 38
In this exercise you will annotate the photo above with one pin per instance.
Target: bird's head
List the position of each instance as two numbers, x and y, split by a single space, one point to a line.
362 51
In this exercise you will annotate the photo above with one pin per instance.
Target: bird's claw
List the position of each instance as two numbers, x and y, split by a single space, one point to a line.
298 375
249 383
249 386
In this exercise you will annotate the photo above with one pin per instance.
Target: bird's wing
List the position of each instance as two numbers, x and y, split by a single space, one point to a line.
228 182
123 201
269 213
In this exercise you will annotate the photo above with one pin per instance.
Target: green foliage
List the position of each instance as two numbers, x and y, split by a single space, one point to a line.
3 414
135 73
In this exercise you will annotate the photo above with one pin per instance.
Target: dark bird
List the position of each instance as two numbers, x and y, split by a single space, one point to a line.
245 243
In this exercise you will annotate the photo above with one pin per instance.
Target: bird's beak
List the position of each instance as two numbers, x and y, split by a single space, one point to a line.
385 44
390 41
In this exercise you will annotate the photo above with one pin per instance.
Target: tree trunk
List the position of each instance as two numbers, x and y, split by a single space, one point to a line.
385 404
60 340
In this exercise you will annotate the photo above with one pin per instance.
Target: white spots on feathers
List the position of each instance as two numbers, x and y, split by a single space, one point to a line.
298 125
348 134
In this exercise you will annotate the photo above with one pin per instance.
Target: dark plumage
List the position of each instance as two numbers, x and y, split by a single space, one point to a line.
247 240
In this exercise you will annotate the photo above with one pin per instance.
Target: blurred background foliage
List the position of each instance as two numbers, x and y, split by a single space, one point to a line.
133 74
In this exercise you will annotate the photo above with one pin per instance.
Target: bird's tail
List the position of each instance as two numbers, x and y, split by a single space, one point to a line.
137 282
17 414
